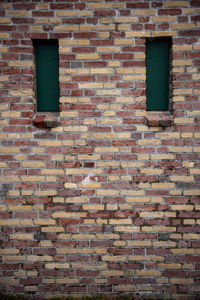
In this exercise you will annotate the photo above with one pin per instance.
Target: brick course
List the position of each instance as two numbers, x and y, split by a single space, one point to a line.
102 197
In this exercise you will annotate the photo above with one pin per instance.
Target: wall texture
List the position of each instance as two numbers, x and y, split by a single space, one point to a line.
102 197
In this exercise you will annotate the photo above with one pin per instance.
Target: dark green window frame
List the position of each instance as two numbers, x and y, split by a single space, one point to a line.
157 73
47 75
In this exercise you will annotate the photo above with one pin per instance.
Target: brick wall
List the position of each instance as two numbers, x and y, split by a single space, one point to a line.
102 197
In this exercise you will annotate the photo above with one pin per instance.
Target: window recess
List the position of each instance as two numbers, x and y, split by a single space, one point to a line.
158 73
47 75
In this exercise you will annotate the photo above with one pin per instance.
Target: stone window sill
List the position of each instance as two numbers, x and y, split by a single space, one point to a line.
159 118
46 119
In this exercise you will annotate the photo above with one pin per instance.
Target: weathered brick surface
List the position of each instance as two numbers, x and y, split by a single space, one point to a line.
101 197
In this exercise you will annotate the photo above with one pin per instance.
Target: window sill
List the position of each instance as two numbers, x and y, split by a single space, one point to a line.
46 120
159 118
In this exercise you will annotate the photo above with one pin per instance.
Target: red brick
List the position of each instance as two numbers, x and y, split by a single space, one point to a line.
137 5
85 35
61 6
73 20
83 49
170 11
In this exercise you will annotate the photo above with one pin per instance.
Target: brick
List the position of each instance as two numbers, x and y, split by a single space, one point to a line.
135 227
149 273
182 178
112 258
57 266
112 273
22 236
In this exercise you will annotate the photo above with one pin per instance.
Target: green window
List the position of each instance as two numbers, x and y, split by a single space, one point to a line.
47 75
157 68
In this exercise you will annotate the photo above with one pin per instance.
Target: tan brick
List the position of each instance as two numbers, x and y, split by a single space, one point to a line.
139 258
66 27
76 128
90 85
4 35
35 164
13 258
182 251
20 207
44 222
23 64
107 192
164 229
123 42
75 251
162 156
134 34
163 19
164 244
63 214
149 273
22 236
93 207
98 5
127 228
112 273
32 178
40 21
163 185
18 13
125 20
9 251
192 192
75 200
144 12
119 243
182 280
13 193
189 221
9 281
120 221
176 4
195 171
108 92
2 79
191 236
109 27
183 26
69 185
125 70
36 258
169 266
124 99
151 171
124 288
163 33
9 150
132 192
138 243
67 280
149 214
83 236
116 258
182 207
179 62
57 266
45 243
87 56
182 178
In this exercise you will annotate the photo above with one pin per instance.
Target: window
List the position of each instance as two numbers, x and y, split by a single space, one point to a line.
157 68
47 75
